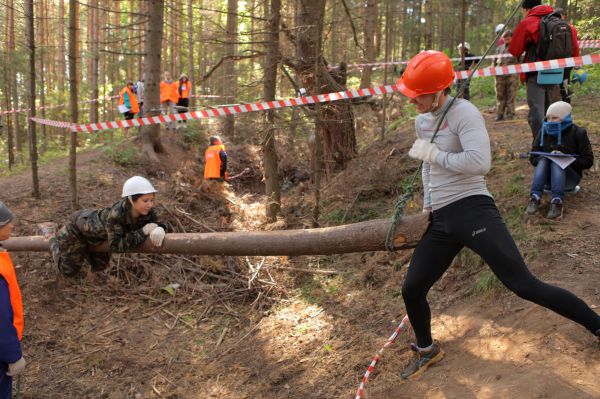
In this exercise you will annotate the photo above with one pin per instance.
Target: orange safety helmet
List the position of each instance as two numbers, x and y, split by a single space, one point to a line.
426 73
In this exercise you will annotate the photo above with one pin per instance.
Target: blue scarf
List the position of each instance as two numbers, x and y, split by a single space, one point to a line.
555 129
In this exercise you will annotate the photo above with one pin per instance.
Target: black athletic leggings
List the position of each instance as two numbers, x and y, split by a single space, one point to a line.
474 222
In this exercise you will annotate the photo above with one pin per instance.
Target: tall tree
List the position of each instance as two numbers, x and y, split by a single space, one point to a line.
60 54
94 58
370 19
336 119
73 24
270 85
190 44
230 81
151 143
31 134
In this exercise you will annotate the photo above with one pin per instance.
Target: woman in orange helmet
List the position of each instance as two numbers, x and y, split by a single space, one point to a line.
463 212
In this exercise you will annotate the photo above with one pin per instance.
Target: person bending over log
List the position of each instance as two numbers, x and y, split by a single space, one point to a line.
125 225
463 211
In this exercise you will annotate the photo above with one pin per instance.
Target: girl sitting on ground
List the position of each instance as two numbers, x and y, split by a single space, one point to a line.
558 136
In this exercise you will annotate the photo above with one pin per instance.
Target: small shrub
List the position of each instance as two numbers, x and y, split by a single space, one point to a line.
122 154
486 283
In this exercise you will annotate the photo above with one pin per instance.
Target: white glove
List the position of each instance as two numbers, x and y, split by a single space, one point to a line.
149 227
424 150
16 367
157 236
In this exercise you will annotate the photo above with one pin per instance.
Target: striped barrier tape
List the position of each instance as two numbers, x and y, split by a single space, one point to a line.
532 66
14 111
49 122
391 340
322 98
24 110
595 43
236 109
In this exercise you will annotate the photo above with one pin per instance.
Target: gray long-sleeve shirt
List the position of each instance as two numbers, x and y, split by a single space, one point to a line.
464 156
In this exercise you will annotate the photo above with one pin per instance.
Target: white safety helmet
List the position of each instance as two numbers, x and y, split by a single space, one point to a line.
137 185
499 27
465 44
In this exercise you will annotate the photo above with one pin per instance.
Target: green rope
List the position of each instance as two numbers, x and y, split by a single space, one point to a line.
401 203
399 211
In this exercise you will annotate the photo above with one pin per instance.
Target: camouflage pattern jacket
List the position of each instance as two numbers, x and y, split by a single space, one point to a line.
114 224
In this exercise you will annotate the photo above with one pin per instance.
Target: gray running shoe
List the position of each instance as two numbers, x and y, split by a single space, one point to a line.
422 361
534 205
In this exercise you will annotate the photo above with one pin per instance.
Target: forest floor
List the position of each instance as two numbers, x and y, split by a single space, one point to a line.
121 334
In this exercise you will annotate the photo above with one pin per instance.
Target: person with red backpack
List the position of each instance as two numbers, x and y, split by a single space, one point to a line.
527 39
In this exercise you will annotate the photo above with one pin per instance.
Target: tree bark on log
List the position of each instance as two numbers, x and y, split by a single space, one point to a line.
358 237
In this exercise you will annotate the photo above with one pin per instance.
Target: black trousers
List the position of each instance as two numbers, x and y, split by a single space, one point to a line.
474 222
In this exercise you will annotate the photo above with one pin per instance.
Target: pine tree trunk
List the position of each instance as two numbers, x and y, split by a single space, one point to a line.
370 18
270 82
336 119
190 45
428 24
7 121
230 81
31 133
151 143
94 59
73 16
60 54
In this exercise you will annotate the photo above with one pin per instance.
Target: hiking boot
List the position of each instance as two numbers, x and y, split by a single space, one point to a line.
498 118
556 209
423 359
534 205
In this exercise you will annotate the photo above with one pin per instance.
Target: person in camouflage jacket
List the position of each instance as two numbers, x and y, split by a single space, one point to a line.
125 225
506 85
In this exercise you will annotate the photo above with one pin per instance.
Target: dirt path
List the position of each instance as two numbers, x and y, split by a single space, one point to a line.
19 185
116 338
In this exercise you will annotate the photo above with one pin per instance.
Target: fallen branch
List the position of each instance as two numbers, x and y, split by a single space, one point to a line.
357 237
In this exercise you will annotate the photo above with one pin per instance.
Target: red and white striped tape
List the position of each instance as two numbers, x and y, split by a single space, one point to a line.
14 111
322 98
236 109
391 340
589 43
532 66
50 122
595 43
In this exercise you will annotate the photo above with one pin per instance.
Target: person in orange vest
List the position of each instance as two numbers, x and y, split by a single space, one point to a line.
128 103
184 91
168 97
215 161
12 362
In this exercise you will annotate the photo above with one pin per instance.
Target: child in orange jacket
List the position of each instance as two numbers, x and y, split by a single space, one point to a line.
11 313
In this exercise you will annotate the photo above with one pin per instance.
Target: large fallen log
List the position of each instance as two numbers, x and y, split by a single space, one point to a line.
358 237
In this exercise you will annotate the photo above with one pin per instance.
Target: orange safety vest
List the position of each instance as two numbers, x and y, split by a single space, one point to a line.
186 89
135 107
168 92
7 270
212 161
